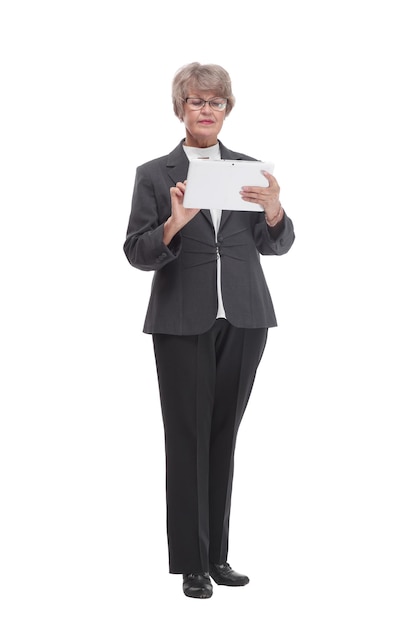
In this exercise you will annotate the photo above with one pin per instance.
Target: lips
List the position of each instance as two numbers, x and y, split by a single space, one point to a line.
206 122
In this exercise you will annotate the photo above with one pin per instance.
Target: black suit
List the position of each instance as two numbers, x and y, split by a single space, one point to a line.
206 367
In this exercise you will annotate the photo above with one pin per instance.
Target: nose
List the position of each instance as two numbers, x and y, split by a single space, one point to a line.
204 109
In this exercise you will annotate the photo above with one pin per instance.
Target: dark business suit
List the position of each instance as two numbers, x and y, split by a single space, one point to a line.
206 367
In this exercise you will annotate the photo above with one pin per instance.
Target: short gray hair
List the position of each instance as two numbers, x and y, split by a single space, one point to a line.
209 77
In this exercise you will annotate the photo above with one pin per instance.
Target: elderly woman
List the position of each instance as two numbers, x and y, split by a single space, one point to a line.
209 314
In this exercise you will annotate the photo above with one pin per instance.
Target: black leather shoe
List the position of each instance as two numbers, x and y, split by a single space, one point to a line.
223 574
197 585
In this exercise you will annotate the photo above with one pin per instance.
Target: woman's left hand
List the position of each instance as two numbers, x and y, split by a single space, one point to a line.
267 197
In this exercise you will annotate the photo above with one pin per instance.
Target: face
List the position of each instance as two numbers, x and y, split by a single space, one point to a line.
202 126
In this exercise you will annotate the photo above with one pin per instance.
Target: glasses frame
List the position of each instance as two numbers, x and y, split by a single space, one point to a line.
193 108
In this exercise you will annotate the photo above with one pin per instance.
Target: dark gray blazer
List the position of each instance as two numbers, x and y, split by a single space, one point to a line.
183 297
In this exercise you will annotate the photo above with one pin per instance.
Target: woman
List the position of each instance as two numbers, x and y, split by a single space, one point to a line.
209 314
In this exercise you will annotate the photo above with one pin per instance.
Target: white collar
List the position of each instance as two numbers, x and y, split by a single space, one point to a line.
213 152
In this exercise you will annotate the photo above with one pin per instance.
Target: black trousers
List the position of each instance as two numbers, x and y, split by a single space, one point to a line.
205 382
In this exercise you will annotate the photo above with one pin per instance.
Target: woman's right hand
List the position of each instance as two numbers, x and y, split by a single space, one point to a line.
180 216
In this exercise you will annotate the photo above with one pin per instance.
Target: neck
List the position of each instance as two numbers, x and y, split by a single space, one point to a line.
200 144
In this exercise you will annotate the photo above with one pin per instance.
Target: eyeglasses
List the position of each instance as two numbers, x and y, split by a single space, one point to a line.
217 104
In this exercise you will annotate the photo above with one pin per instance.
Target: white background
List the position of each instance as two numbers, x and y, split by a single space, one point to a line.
324 506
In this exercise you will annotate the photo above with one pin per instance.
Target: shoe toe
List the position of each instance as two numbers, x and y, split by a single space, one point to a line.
197 585
223 574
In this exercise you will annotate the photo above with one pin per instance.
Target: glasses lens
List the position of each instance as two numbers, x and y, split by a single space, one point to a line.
218 104
195 103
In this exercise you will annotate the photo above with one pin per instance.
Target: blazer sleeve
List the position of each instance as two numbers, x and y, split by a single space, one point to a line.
144 246
276 239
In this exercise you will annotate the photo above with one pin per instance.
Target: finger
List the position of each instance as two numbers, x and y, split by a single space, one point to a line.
272 188
258 192
272 182
268 176
175 192
249 199
253 190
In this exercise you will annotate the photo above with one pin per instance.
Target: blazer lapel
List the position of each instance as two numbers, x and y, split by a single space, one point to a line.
177 164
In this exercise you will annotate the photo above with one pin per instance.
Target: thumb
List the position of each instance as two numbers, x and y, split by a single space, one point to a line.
268 176
175 192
